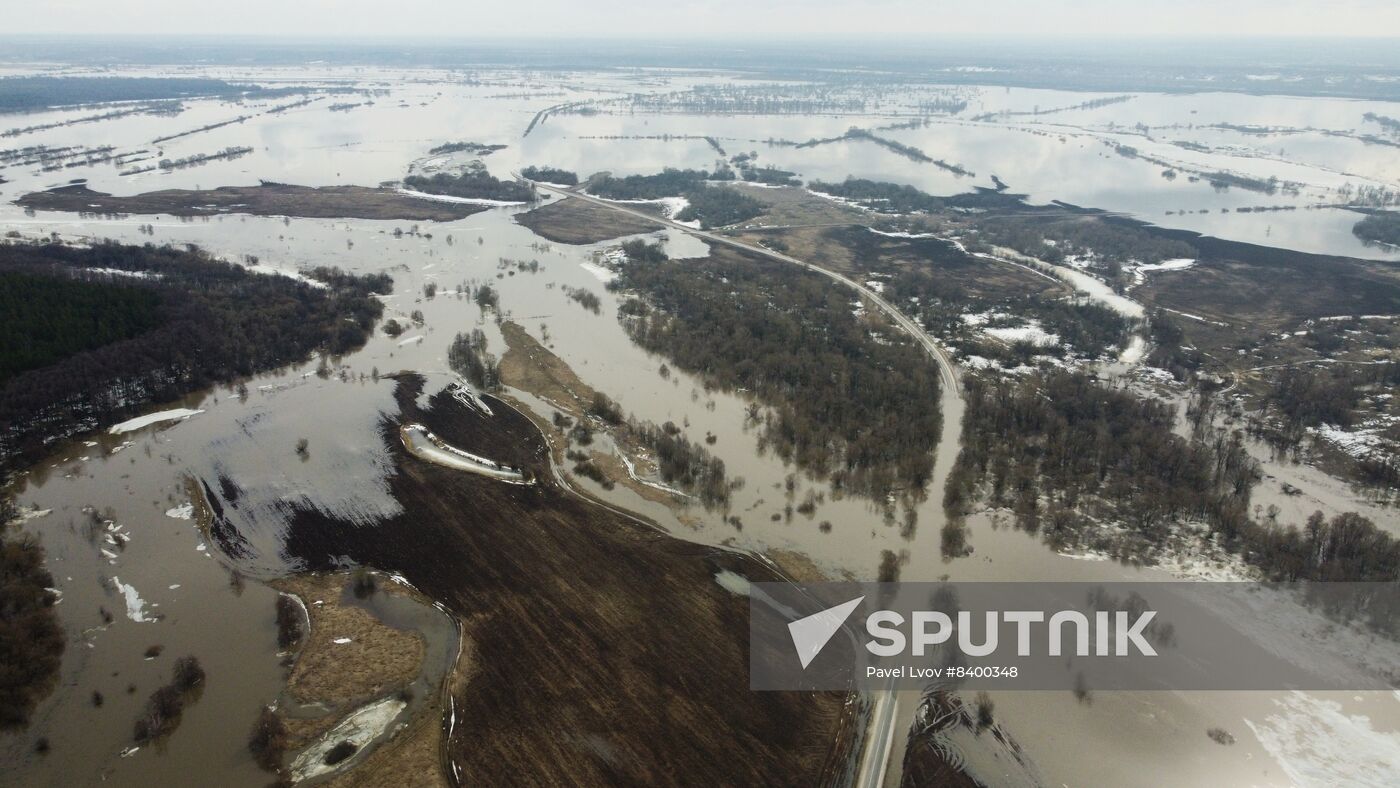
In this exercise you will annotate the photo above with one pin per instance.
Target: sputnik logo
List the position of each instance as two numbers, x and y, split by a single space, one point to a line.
811 634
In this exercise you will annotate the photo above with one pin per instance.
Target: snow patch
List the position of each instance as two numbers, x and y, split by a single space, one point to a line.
1317 743
135 605
268 270
450 198
131 425
360 728
1176 264
1031 333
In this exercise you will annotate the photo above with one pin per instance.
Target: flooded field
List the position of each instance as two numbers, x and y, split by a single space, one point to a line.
114 510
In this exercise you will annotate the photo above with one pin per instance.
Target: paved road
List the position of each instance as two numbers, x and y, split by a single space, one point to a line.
880 735
945 364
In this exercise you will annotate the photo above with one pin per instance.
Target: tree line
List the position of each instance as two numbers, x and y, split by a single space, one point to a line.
31 638
212 322
1065 453
551 175
473 183
846 401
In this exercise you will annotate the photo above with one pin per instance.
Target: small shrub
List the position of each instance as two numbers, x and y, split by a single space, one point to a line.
268 741
364 583
1221 736
289 622
340 752
188 674
985 708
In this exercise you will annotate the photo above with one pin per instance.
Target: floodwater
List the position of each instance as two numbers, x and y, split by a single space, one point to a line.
1125 739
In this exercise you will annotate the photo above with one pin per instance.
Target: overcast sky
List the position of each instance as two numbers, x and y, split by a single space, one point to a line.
713 17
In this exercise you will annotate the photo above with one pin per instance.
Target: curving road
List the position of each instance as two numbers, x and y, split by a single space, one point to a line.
945 364
880 739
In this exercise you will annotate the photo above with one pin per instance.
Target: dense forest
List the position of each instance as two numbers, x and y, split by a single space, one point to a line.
210 322
31 639
880 195
935 282
1103 245
712 206
1381 228
895 198
1299 398
1066 454
1056 446
1084 328
716 206
473 183
38 92
847 401
551 175
48 319
667 183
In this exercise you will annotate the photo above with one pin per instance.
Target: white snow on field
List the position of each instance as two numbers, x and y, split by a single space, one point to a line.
1359 317
901 234
135 605
424 444
1357 442
979 362
184 511
120 272
980 318
1033 334
450 198
673 206
131 425
839 200
268 270
1176 264
1133 353
876 285
360 728
1140 270
1317 743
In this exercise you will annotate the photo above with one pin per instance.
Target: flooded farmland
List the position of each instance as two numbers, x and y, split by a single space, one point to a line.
136 566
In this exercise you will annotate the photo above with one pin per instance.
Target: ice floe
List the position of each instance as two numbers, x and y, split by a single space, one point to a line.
131 425
135 605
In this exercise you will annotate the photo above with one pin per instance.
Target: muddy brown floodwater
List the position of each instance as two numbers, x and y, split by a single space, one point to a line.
353 495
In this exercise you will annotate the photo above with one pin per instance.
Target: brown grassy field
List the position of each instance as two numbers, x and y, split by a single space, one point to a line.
604 650
573 221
